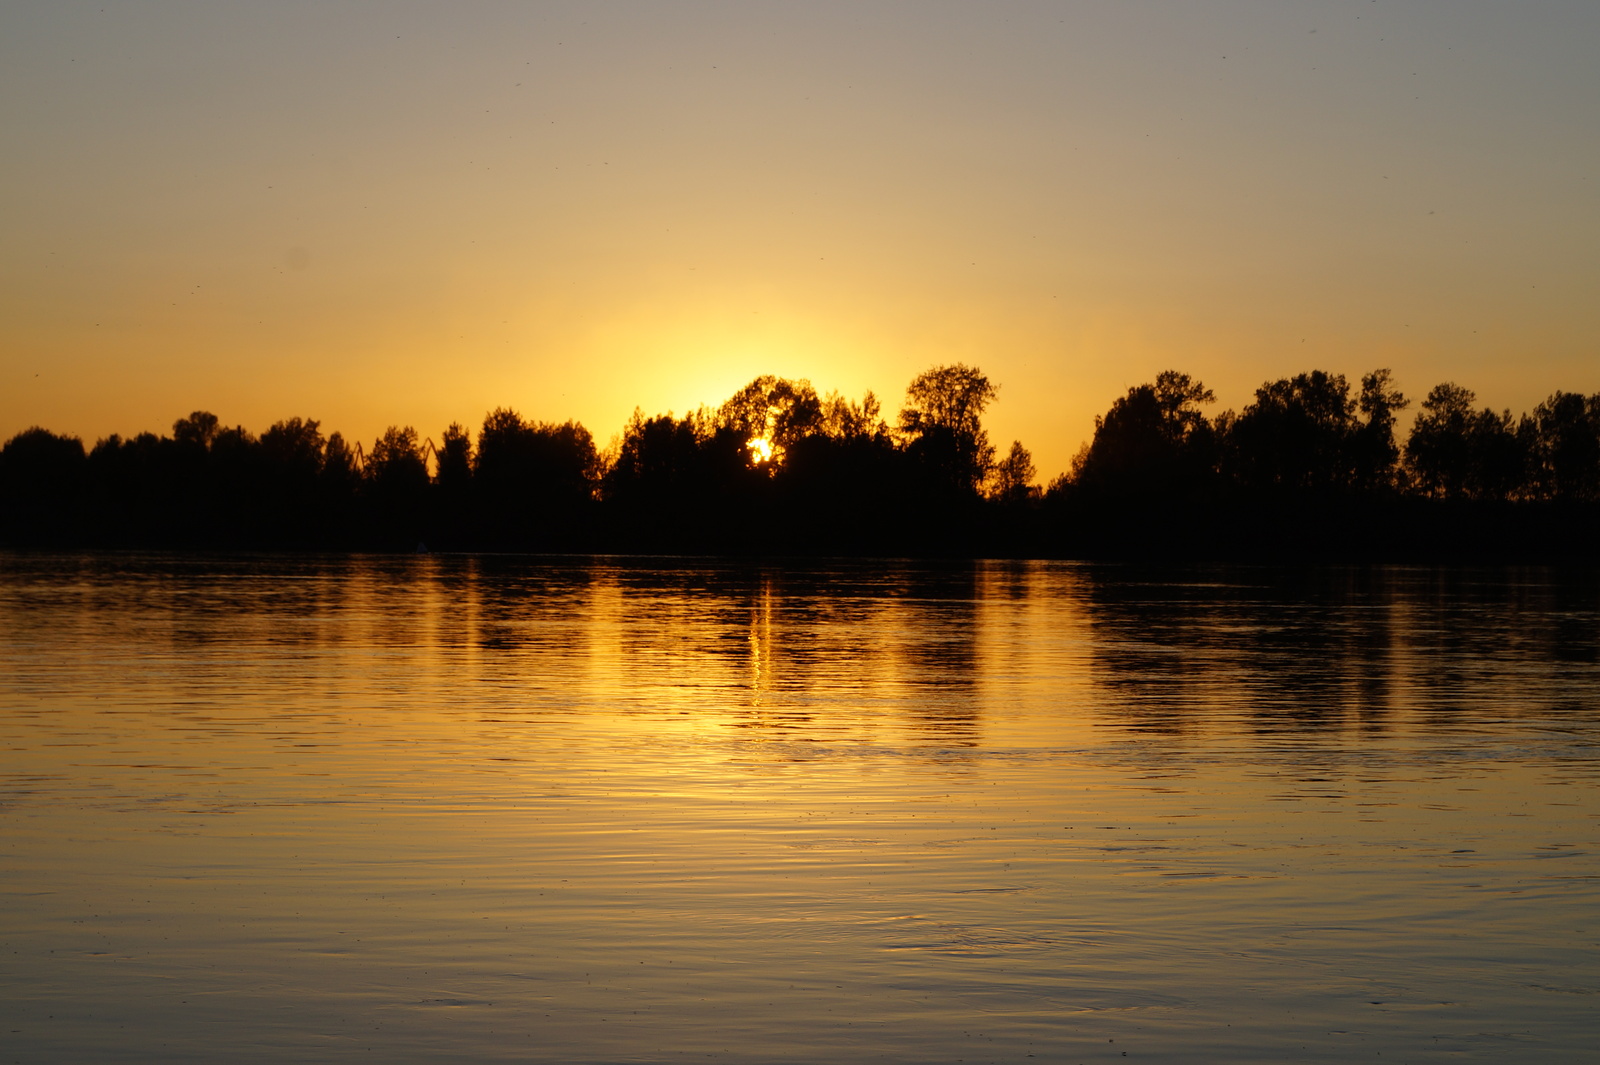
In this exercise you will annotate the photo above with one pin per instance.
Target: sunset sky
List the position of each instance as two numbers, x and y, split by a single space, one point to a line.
412 212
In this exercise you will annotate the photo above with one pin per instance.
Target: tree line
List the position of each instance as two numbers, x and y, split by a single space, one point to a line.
1309 435
1311 463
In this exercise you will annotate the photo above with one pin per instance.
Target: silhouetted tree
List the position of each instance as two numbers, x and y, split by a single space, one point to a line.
341 468
291 458
769 415
41 486
395 482
1455 452
198 430
655 458
1566 435
1154 444
396 462
203 486
211 483
182 466
1374 455
943 425
845 419
532 480
134 489
1013 475
455 463
294 447
338 489
1295 438
454 517
661 487
843 486
236 502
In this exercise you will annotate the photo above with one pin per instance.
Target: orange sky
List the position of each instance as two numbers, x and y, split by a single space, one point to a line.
373 215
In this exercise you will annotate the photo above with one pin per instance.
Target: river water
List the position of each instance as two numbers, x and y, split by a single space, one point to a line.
440 809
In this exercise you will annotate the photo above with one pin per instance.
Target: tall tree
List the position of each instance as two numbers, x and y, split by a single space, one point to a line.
532 479
769 415
1295 438
1566 428
1374 453
396 484
294 446
1153 444
197 430
943 424
291 456
454 472
1439 451
396 459
41 484
1013 475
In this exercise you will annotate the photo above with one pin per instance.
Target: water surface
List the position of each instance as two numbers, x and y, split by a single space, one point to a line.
551 810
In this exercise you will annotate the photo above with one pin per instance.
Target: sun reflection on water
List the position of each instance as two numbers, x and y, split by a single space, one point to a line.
616 810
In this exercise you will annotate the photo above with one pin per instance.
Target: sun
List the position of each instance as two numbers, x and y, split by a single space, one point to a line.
760 449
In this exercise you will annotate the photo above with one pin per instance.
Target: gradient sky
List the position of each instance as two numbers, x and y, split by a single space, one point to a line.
414 212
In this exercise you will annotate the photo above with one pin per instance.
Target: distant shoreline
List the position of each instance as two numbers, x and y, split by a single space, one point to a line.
1311 470
1406 532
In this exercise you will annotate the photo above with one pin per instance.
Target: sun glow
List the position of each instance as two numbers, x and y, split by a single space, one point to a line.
760 450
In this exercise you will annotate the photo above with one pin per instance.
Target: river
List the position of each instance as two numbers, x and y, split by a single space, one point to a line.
442 809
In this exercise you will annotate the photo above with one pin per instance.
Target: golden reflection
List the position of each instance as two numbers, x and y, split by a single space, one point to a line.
761 642
323 801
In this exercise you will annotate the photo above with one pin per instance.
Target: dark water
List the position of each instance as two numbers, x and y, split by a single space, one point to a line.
438 809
